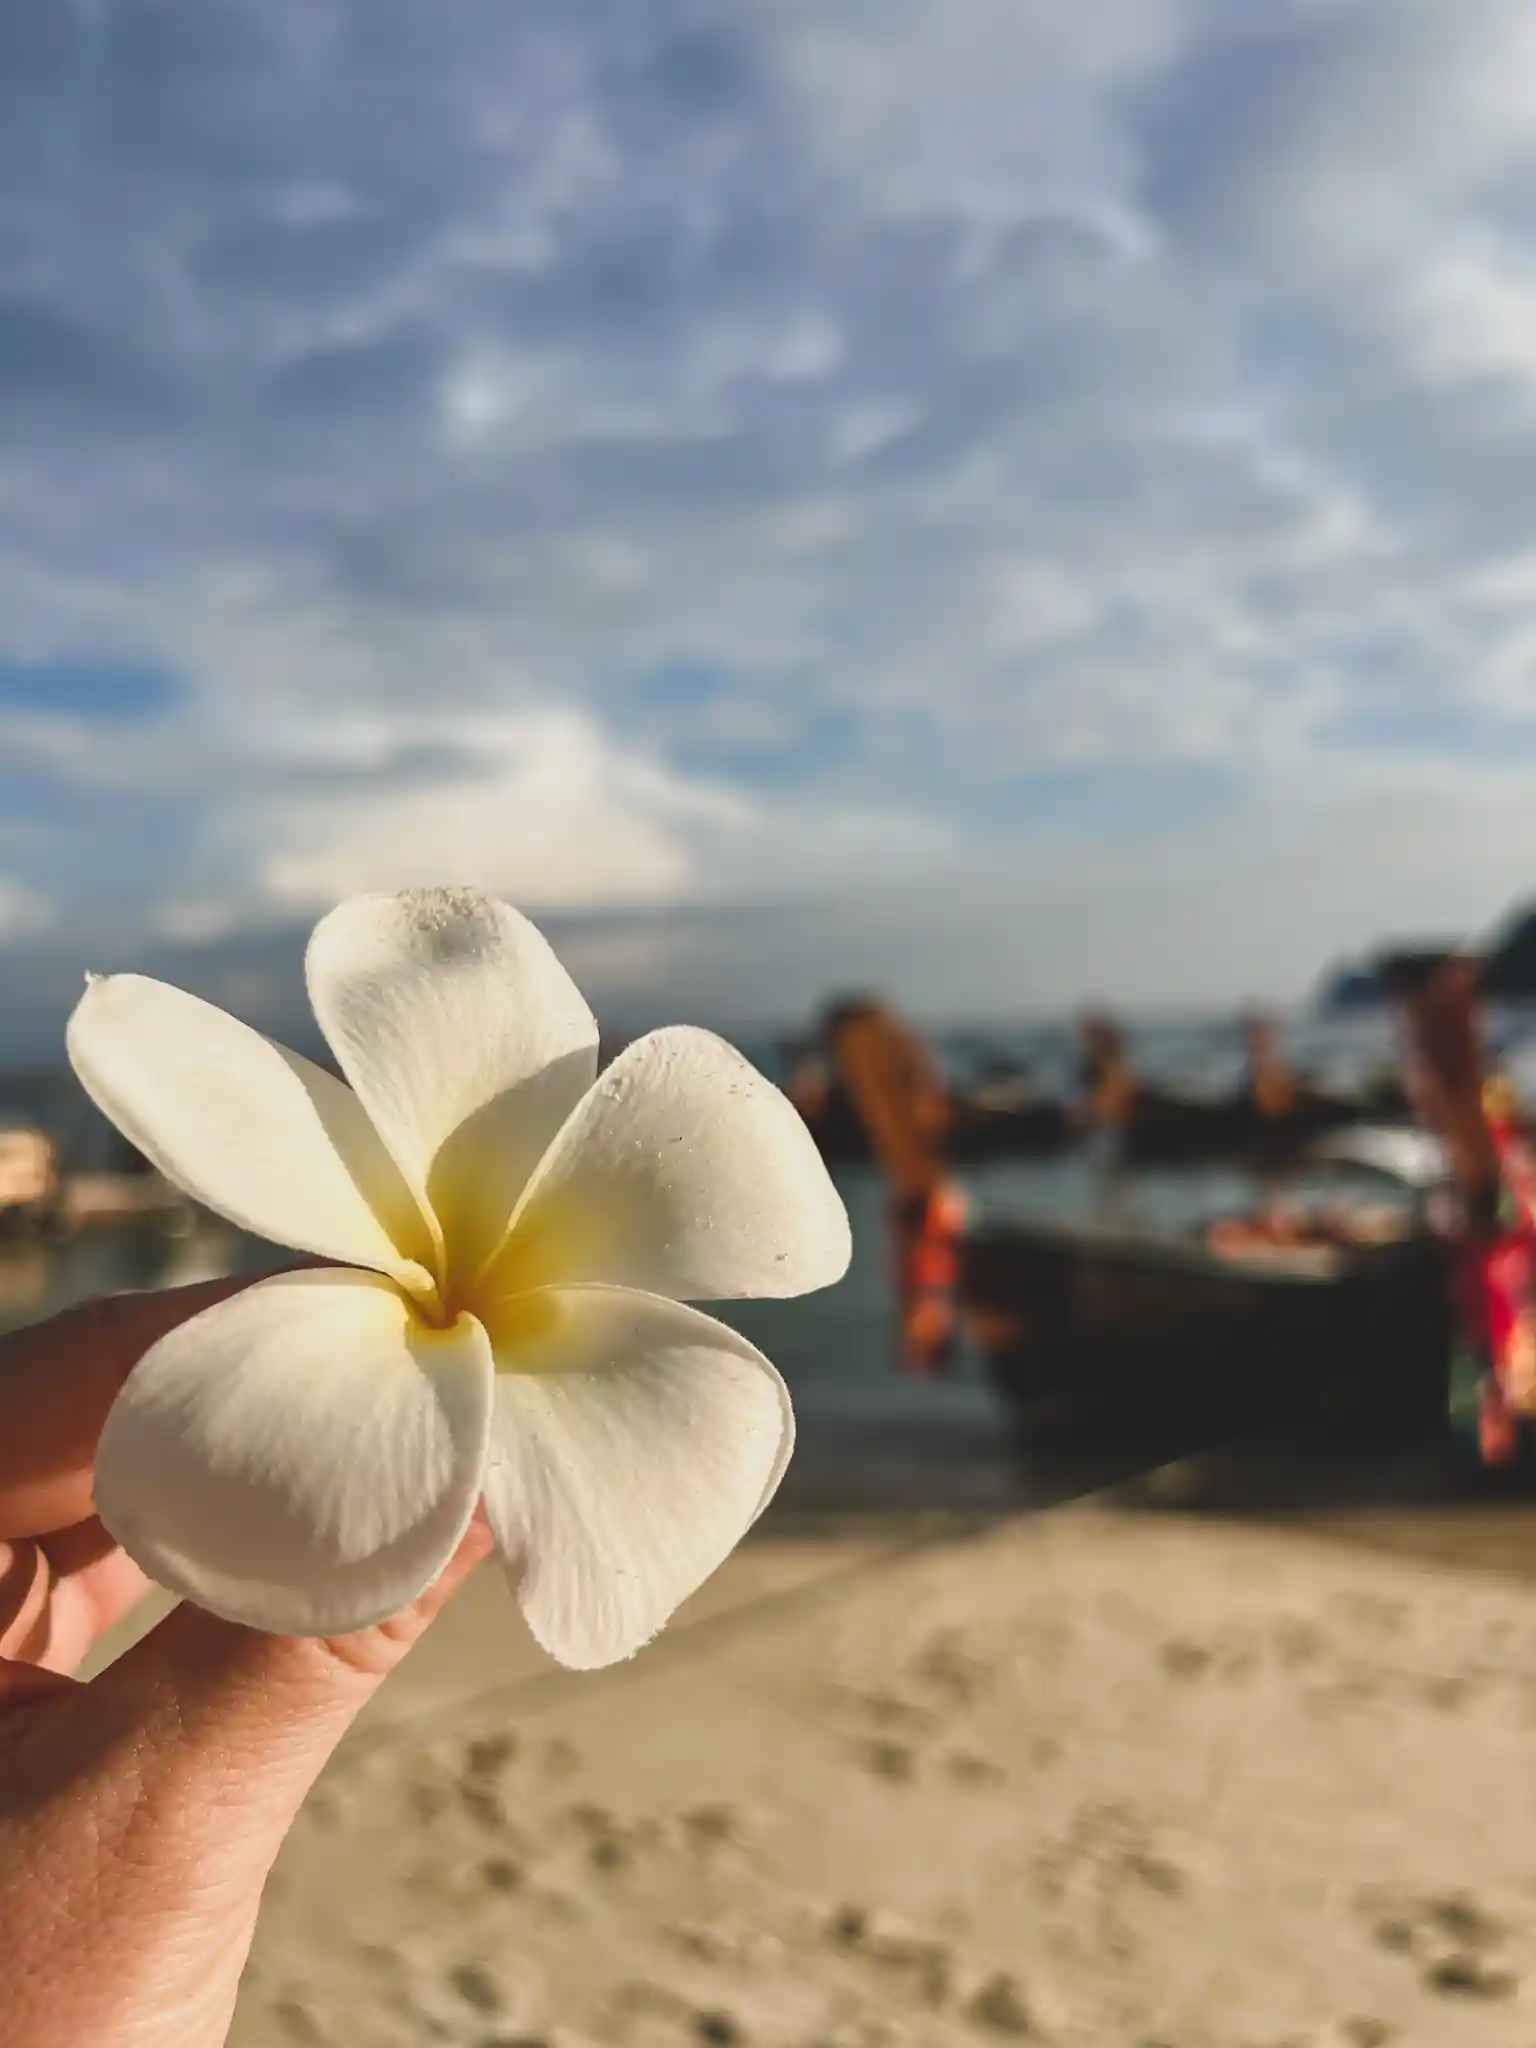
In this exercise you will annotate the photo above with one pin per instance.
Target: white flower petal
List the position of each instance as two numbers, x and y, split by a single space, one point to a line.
252 1130
683 1172
303 1457
634 1442
466 1040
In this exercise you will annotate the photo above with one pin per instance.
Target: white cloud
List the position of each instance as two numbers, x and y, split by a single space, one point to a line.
194 920
549 814
983 123
733 456
1472 314
540 805
23 912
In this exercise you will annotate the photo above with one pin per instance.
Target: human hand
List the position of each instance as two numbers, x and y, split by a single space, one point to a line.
140 1813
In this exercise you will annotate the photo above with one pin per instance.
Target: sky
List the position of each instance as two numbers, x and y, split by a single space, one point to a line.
1003 501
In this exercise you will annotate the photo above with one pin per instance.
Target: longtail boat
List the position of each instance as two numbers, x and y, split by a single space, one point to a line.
1124 1321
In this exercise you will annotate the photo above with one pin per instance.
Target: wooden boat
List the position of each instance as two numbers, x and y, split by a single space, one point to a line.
1122 1323
1169 1129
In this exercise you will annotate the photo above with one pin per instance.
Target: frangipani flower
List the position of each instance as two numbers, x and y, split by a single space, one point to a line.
515 1238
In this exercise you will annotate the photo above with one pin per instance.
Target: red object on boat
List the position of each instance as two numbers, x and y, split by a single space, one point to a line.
927 1231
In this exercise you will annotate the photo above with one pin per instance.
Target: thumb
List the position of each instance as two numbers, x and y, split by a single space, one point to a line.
153 1802
207 1700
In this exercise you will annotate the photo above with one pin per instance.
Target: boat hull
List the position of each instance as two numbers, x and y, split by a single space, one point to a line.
1150 1330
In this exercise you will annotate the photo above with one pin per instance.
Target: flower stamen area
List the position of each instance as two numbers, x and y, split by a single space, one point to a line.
425 1298
525 1325
522 1323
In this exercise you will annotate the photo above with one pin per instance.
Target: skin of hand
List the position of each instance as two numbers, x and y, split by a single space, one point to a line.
140 1813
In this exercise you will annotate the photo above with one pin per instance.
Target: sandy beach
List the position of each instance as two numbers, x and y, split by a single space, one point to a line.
1095 1775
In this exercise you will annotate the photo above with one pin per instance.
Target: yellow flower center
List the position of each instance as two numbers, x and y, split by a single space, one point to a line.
508 1292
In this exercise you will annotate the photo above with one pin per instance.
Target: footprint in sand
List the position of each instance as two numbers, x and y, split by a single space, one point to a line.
1460 1918
484 1767
638 2001
1410 1925
478 1986
718 2029
893 1761
470 2001
502 1874
890 1710
431 1784
1449 1937
612 1845
897 1953
848 1926
999 2008
712 1830
1109 1862
1468 1976
489 1755
947 1667
1186 1660
1446 1693
1298 1640
300 2023
324 1808
1231 1659
967 1769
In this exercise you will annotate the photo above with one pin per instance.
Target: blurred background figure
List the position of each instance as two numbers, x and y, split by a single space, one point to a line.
1492 1218
1272 1088
874 1066
1108 1100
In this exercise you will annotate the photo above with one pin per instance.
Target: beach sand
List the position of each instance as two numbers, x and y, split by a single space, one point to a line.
1136 1779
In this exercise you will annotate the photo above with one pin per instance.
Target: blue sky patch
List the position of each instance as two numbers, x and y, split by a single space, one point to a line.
88 689
1475 735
